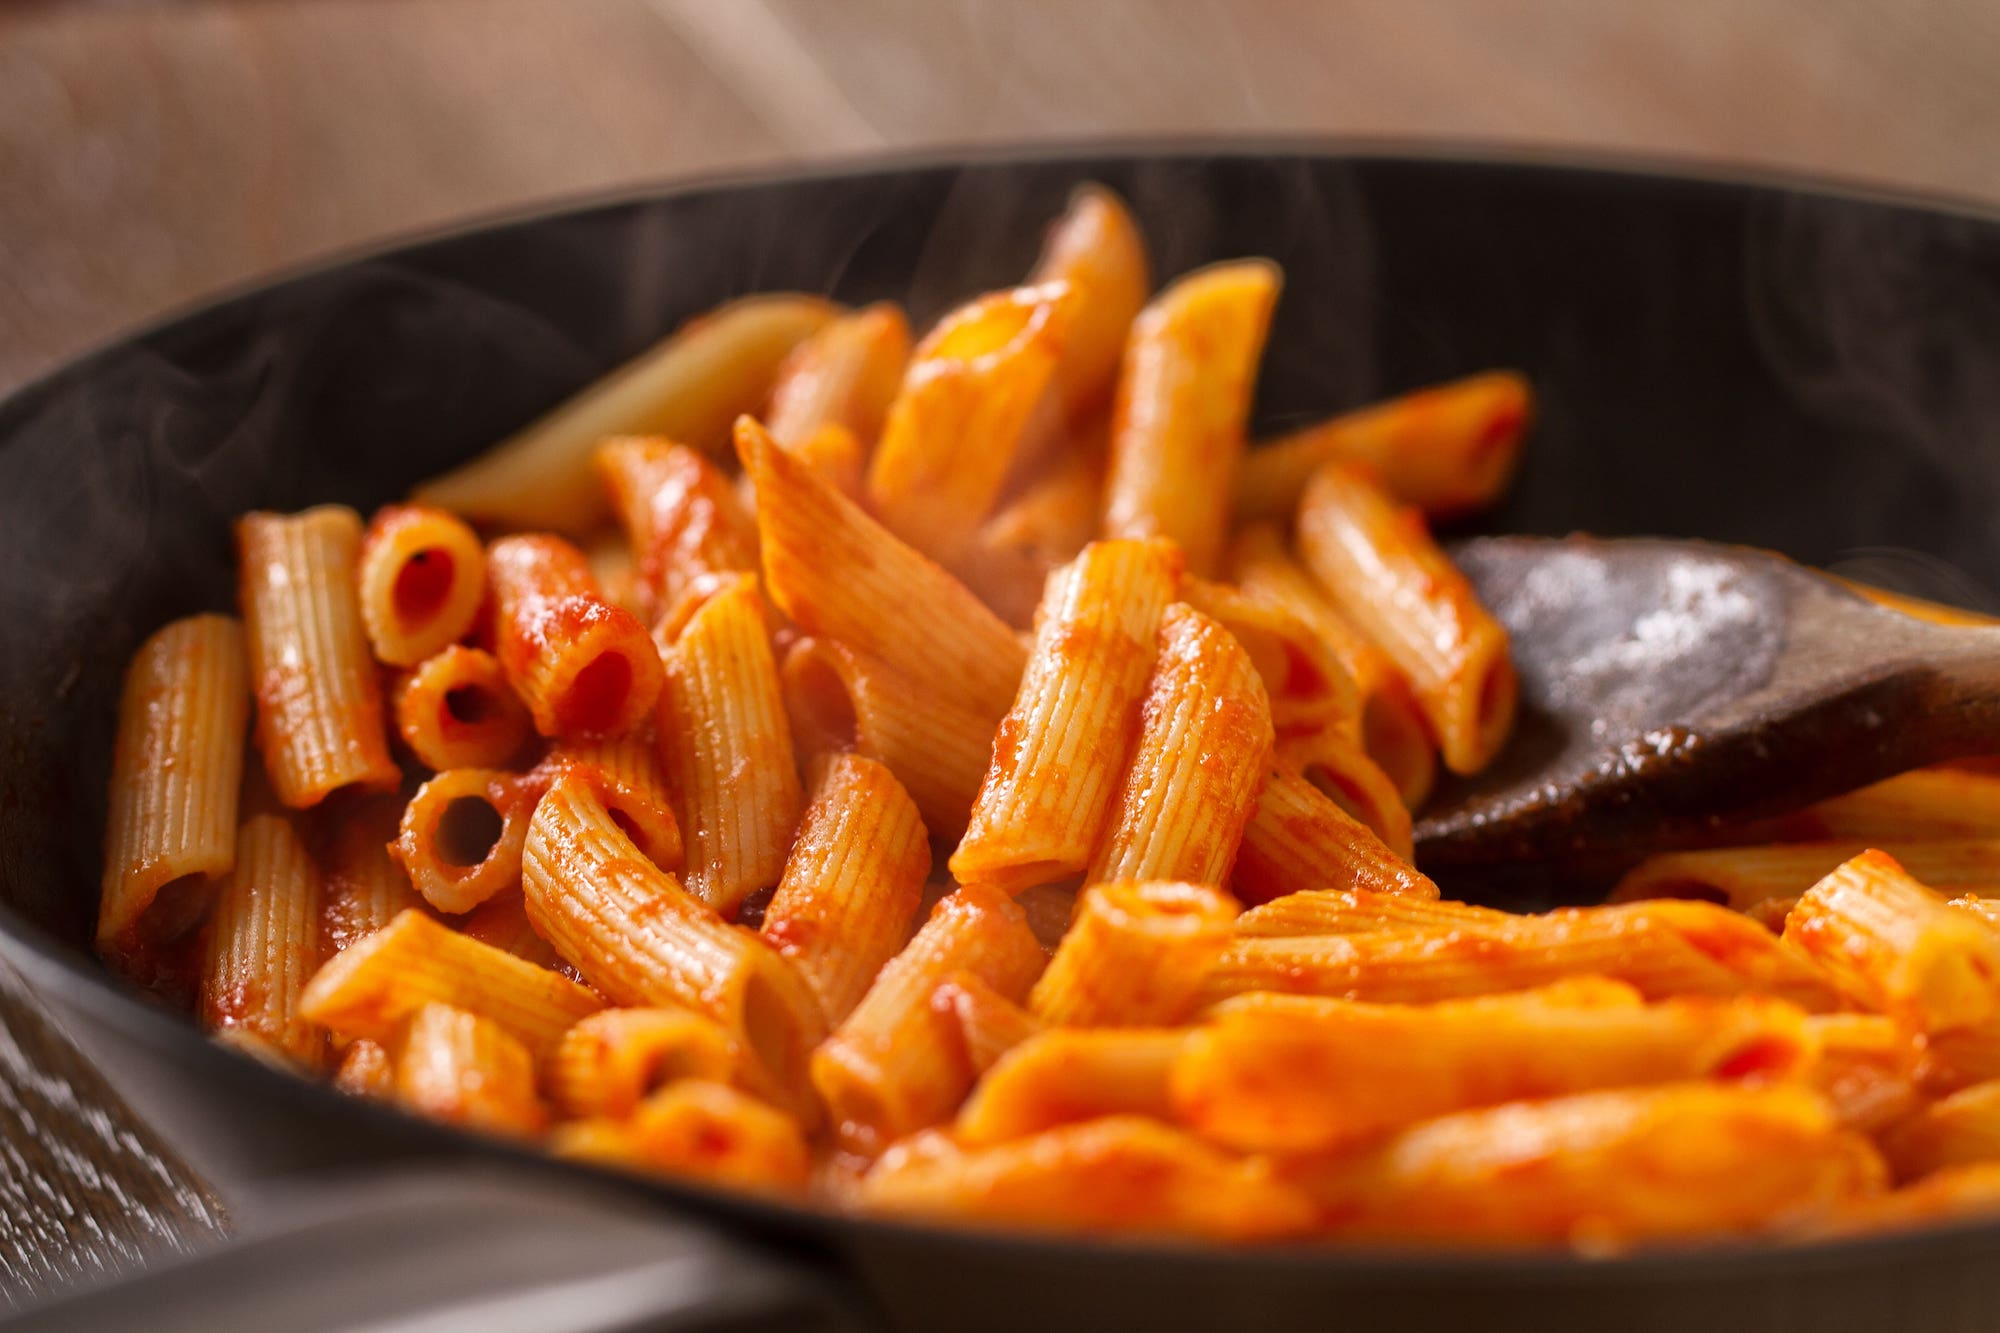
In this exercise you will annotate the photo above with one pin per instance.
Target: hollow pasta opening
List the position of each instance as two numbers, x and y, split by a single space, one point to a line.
423 584
468 831
596 698
471 705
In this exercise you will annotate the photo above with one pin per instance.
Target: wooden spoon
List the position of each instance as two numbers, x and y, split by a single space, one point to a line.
1671 688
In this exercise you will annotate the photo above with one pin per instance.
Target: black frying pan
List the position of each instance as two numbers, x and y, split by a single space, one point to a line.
1808 370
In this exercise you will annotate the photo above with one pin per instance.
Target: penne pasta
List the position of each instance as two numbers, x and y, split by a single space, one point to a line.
1363 912
1121 1174
689 387
1298 840
891 1068
1135 956
1334 762
1045 525
957 421
641 939
175 770
838 699
461 837
263 944
421 578
1048 793
681 516
363 889
1383 572
583 666
1393 729
1918 806
1743 877
1865 1069
726 747
1183 400
456 710
455 1066
1308 688
320 722
614 1059
1601 1171
1898 948
838 573
1096 248
988 1023
1950 1195
1065 1075
1664 948
703 1129
845 375
629 779
1309 1075
502 921
368 990
1203 748
1956 1131
852 882
1445 449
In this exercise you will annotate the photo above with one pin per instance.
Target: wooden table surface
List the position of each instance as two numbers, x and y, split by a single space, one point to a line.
151 154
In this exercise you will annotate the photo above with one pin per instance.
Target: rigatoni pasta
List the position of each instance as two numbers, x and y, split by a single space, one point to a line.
583 666
320 723
456 710
422 577
263 944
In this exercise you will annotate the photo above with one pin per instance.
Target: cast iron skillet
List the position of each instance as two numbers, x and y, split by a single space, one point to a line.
1786 365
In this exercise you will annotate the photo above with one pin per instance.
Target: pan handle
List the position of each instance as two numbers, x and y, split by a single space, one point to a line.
412 1246
481 1248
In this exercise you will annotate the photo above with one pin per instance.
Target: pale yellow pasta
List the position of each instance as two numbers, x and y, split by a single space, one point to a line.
421 578
698 1128
1283 1073
641 939
1120 1174
1664 948
967 397
844 375
1061 749
1600 1171
1203 749
726 746
263 944
1899 948
175 770
1362 912
891 1067
1096 248
837 572
320 722
1069 1074
1135 956
1393 729
1182 403
839 699
461 837
1387 576
682 519
1743 877
1298 840
370 988
456 710
1446 449
455 1066
688 387
852 882
614 1059
1333 760
988 1023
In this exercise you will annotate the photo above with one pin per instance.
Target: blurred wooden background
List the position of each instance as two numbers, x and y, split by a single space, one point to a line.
151 153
